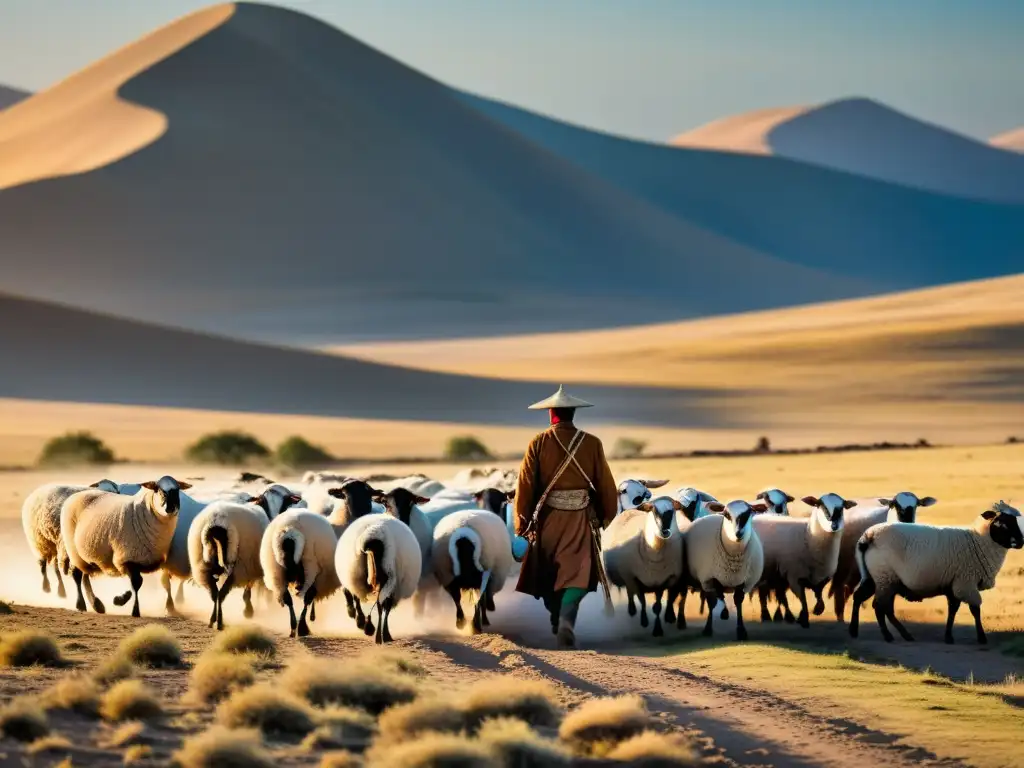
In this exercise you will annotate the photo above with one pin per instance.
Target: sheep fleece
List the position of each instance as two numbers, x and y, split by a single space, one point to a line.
496 546
317 557
245 526
402 561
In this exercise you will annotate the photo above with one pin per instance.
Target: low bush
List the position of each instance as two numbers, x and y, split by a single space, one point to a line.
75 693
466 448
428 714
227 448
298 453
245 638
605 722
125 735
651 749
268 708
137 754
223 748
339 760
519 745
113 670
29 647
431 750
151 646
322 683
130 700
532 701
342 728
217 675
50 745
75 449
23 720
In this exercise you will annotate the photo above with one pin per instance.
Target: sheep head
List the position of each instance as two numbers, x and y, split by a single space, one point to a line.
777 500
166 497
737 514
829 509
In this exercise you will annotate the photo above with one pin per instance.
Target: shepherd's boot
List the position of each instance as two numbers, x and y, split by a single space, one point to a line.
566 635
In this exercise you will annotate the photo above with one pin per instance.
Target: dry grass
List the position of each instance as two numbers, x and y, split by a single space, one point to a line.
429 714
223 748
432 750
23 720
245 638
393 660
130 700
270 709
76 693
5 608
533 701
125 735
341 728
322 683
151 646
137 753
113 670
49 745
28 647
605 721
339 759
217 675
519 746
651 749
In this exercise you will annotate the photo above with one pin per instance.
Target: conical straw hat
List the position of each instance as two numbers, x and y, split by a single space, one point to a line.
561 399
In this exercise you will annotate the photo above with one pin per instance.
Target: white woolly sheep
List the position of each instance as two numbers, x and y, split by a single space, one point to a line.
642 551
920 561
801 553
901 508
40 518
378 559
471 551
694 505
633 492
723 554
224 541
119 535
401 504
298 551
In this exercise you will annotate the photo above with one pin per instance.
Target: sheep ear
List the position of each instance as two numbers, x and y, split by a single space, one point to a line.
762 495
646 507
885 502
811 501
183 486
927 501
510 495
420 499
988 514
654 483
478 495
98 483
150 486
294 498
716 506
789 498
252 500
759 507
849 503
338 493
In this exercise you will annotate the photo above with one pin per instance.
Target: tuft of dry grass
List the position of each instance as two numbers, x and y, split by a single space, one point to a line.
23 720
323 683
268 708
245 638
223 748
76 693
49 745
28 647
151 646
519 746
532 701
431 750
339 759
217 675
130 700
5 608
125 735
651 749
429 714
605 721
113 670
395 661
341 728
137 753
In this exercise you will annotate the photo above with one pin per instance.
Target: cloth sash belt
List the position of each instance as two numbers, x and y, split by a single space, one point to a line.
569 501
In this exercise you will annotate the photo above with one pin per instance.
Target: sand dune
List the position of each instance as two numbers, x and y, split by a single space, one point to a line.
1012 140
10 96
307 188
796 211
865 137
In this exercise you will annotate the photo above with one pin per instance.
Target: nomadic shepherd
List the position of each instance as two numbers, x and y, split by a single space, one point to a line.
566 495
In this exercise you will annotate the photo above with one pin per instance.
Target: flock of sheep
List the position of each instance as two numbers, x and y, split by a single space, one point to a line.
414 536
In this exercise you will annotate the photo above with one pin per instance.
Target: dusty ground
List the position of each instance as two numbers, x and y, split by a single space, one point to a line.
790 697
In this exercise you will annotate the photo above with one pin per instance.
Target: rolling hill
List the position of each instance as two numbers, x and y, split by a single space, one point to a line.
10 96
871 139
255 172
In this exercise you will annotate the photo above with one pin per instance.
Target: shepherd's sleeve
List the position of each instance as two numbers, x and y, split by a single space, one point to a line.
526 488
604 482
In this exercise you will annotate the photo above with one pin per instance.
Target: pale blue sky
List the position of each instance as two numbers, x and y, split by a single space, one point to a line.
644 68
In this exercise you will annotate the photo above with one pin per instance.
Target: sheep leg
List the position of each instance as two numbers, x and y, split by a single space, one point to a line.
179 598
386 632
819 601
762 594
737 598
350 606
712 600
670 605
656 608
976 613
360 617
839 597
135 576
307 600
860 595
783 601
419 601
882 607
46 579
681 616
368 630
703 602
97 604
312 612
630 606
456 595
247 599
225 588
952 606
725 605
165 582
489 604
214 593
123 598
804 619
286 599
897 623
60 581
644 622
378 637
77 576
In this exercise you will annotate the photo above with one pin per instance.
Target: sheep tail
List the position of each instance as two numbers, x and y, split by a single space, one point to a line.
215 548
288 547
464 548
372 570
863 545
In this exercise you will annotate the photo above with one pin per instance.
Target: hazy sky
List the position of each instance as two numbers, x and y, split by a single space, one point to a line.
645 68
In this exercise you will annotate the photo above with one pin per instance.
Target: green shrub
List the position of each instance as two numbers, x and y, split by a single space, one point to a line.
466 448
233 448
628 448
298 453
75 448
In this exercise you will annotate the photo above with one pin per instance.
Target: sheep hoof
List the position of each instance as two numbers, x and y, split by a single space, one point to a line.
983 640
80 605
351 611
248 612
681 623
484 621
741 633
169 607
61 591
120 600
804 622
658 630
854 631
98 606
707 632
819 608
887 636
765 616
670 615
778 615
949 639
643 620
136 614
46 587
460 622
360 622
631 610
292 633
724 614
303 629
368 629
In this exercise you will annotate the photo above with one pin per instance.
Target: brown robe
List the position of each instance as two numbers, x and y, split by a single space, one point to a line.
562 554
